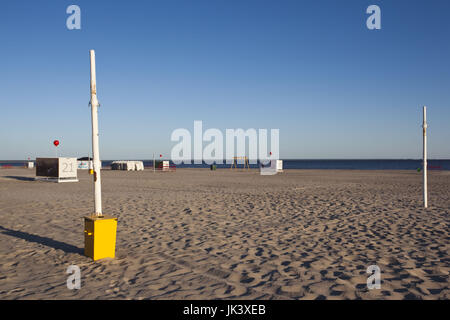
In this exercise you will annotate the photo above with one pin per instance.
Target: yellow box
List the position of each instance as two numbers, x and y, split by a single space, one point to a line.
100 237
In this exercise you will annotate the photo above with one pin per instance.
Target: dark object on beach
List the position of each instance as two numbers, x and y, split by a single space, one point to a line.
213 167
418 169
158 164
47 167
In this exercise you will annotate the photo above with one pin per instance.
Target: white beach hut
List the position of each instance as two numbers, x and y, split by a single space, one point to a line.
56 169
273 167
279 165
127 165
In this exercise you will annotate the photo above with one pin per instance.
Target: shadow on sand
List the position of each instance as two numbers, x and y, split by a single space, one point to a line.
19 178
68 248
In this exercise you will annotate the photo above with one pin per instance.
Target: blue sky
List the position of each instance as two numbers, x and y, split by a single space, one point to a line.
309 68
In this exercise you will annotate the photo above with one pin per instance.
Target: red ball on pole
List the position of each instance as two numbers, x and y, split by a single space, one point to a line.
56 143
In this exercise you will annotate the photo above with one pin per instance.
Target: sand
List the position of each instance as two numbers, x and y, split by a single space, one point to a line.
201 234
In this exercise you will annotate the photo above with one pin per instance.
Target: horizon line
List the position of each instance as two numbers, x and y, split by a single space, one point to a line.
288 159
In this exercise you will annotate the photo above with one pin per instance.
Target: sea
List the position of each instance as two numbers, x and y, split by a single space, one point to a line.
347 164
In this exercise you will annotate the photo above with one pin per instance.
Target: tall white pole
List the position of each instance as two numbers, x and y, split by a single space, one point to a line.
95 149
425 195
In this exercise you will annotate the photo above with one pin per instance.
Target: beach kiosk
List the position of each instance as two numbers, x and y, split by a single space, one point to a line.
99 229
56 169
279 165
84 164
127 165
165 165
271 168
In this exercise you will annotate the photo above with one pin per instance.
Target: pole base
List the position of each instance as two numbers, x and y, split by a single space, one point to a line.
100 236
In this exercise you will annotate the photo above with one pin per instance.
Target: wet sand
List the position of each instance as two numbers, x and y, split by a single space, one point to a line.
201 234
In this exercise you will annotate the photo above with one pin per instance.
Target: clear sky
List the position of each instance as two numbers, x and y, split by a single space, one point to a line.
309 68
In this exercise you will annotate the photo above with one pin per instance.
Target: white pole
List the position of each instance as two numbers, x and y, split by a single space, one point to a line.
153 162
425 196
95 149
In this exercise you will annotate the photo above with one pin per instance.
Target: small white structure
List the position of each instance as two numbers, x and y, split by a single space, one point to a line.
84 165
30 165
273 167
139 165
165 165
127 165
56 169
279 165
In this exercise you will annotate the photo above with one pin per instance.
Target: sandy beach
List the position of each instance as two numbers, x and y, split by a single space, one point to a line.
201 234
